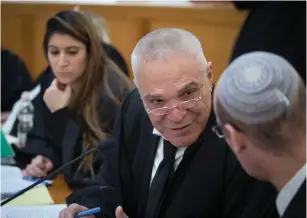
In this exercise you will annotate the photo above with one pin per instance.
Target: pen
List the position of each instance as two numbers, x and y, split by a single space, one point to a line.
31 179
88 212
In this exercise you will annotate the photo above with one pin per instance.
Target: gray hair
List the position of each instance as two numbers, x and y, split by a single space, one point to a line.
262 95
162 43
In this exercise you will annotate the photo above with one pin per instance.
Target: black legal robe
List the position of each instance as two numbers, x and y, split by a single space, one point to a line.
297 206
208 182
278 27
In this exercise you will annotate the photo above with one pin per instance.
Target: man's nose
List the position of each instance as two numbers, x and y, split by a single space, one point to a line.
176 114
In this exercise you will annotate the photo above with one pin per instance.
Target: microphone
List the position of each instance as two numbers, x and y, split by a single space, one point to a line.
105 145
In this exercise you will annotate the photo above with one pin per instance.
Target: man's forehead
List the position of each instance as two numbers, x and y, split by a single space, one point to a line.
159 76
168 89
172 65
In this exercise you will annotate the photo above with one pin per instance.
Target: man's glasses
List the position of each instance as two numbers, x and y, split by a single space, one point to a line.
182 106
218 131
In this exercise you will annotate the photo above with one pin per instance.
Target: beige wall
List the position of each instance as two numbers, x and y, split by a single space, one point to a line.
216 25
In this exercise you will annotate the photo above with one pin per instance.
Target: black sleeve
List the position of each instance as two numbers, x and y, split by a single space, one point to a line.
108 111
114 173
45 78
38 140
116 57
56 126
107 107
243 195
15 78
246 5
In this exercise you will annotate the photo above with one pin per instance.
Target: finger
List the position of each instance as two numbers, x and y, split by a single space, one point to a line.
38 161
54 83
45 160
119 213
48 165
72 210
36 171
27 172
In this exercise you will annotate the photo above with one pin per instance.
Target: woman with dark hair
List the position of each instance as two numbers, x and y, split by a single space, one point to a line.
102 30
78 108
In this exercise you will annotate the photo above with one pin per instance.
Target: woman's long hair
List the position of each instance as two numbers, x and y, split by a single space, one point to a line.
84 100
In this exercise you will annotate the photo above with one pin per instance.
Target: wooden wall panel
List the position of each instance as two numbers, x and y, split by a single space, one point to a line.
216 25
125 34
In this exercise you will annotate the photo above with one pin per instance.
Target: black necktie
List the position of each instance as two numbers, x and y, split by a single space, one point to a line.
271 211
160 181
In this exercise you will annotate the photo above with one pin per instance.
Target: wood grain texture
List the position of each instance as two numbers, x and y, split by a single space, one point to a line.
59 190
215 24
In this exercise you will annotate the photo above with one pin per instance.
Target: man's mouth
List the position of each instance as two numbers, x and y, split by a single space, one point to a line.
180 128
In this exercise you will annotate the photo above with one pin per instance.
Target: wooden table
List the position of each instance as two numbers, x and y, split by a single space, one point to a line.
59 190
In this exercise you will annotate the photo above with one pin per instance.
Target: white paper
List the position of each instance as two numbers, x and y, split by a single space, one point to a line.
8 125
10 172
14 185
12 180
48 211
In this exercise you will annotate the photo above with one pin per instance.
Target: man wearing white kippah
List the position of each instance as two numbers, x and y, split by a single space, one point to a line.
260 107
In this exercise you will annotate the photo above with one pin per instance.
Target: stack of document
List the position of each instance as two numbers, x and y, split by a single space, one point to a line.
51 211
34 203
12 182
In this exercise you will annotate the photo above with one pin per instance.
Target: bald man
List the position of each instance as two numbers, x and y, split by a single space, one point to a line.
260 105
168 162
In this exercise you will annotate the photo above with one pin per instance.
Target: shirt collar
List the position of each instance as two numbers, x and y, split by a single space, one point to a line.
287 193
179 152
157 133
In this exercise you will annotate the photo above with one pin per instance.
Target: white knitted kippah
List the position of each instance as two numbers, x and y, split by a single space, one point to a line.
257 87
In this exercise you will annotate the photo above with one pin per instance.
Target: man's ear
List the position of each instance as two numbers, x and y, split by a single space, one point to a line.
234 139
209 71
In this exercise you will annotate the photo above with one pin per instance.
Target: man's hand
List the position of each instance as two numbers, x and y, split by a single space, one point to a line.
57 96
39 167
119 213
72 210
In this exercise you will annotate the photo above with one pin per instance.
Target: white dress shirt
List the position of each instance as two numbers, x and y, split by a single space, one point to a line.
288 192
159 155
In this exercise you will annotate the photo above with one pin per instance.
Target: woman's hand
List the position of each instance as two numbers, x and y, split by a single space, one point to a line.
39 167
57 96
